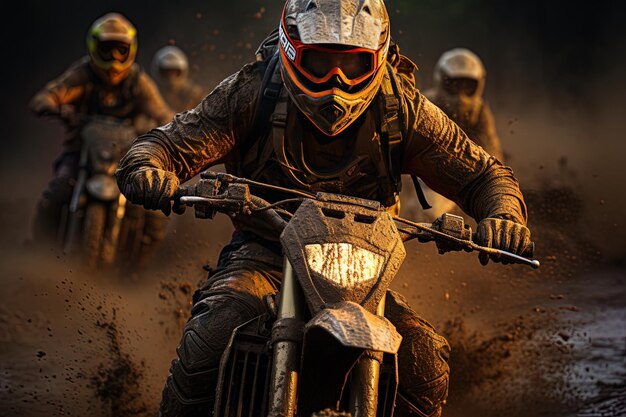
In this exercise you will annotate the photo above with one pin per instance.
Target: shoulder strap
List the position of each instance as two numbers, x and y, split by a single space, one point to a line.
270 91
391 126
279 125
392 129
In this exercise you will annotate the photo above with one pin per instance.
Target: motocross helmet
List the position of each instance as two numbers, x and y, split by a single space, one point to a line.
333 56
460 72
170 67
112 47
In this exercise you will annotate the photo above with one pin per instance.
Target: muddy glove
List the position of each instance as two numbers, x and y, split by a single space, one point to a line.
151 187
502 234
70 116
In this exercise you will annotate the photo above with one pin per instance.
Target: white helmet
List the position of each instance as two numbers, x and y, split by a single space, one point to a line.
460 71
170 66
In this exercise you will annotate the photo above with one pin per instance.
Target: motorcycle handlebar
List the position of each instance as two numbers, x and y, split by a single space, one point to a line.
426 233
233 207
245 203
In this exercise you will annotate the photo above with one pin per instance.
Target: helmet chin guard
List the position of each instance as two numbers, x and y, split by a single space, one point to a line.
333 57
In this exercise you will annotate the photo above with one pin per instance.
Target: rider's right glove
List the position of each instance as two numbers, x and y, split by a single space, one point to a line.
151 187
502 234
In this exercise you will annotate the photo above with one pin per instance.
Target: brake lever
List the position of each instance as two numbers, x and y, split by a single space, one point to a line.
535 264
469 244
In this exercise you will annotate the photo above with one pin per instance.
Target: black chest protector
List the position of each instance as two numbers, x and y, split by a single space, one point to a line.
119 101
370 163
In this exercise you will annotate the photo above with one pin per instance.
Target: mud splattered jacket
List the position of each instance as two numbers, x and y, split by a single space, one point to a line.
480 127
80 87
219 130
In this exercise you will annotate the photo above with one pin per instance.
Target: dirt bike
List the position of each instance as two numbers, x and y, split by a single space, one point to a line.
324 345
99 224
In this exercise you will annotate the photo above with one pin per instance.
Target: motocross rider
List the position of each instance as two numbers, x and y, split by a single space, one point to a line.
334 109
107 82
170 71
459 83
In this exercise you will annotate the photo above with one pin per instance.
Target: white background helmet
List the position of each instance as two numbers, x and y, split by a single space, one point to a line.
167 62
460 63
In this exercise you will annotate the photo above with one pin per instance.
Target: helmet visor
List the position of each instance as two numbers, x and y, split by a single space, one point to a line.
109 51
455 86
353 66
170 72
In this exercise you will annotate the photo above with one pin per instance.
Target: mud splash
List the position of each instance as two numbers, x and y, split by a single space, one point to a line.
118 382
176 297
564 355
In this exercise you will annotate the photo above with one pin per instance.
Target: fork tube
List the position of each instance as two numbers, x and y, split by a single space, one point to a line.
286 353
73 222
365 376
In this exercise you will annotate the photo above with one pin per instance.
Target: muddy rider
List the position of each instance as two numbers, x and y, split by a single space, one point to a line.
107 82
170 71
459 84
333 108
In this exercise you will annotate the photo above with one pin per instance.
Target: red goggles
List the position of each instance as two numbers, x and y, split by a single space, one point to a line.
319 64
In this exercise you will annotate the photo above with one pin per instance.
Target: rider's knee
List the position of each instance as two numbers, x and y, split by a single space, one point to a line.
424 372
426 400
229 302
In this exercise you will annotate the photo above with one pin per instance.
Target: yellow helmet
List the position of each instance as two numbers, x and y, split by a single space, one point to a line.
333 58
112 47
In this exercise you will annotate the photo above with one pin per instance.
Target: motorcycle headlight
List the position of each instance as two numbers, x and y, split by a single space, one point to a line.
343 263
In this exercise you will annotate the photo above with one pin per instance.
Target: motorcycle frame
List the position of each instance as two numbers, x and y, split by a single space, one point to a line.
284 353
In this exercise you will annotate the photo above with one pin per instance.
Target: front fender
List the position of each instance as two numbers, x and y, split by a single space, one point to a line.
353 326
103 188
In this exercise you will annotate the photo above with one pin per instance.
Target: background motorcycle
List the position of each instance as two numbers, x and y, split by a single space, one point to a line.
99 224
324 345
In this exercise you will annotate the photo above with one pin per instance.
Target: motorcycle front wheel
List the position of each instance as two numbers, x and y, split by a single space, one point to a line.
93 232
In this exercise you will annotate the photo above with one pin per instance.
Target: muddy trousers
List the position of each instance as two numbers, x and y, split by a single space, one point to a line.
235 293
55 198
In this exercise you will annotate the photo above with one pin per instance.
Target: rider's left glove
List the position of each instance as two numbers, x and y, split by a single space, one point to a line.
151 187
502 234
